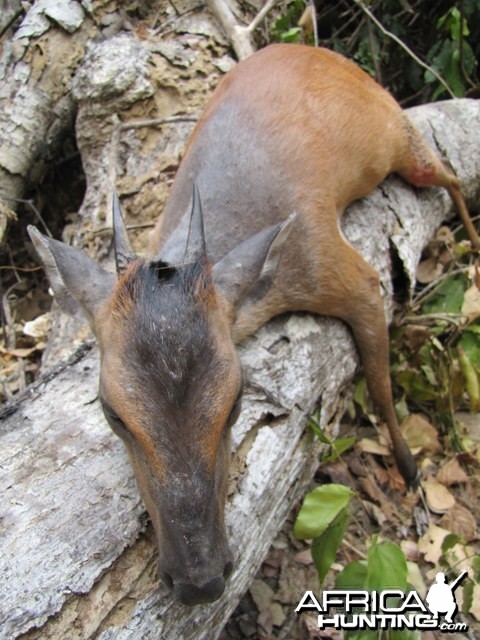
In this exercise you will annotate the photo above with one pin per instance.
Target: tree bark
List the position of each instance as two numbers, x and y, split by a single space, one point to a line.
36 65
77 557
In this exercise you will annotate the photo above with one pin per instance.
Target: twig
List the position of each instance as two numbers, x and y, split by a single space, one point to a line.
9 329
112 168
22 381
165 27
313 9
345 24
239 35
457 319
261 15
374 51
352 547
12 267
391 35
155 122
35 211
431 288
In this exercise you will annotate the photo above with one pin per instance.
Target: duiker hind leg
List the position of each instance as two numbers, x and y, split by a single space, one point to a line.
354 296
420 166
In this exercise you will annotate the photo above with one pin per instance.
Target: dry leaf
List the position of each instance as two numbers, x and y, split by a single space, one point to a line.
395 480
445 257
380 473
452 473
371 489
475 608
416 336
439 499
415 578
22 353
460 521
471 303
430 544
304 557
410 549
470 425
368 445
420 434
445 234
278 615
476 274
262 594
265 622
39 327
427 467
429 270
374 512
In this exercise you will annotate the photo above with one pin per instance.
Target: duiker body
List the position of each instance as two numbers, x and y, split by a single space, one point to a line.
291 130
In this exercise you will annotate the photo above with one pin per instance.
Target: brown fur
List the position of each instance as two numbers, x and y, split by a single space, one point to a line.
290 129
325 135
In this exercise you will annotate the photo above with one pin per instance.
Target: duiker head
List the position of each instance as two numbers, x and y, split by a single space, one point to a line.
171 380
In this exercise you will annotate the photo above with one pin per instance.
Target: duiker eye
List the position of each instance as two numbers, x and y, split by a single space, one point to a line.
115 422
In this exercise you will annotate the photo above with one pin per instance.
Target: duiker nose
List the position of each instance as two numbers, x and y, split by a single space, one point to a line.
191 594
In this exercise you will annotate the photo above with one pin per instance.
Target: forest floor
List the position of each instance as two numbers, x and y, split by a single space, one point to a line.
381 507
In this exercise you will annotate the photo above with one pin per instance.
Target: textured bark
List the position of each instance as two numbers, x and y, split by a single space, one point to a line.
77 558
37 107
76 55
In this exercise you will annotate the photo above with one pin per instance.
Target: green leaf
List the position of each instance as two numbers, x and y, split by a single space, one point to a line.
448 297
401 408
324 547
353 576
365 634
360 395
474 328
449 542
451 21
320 507
472 383
313 424
292 35
403 634
467 593
416 387
339 446
476 568
469 59
387 567
470 343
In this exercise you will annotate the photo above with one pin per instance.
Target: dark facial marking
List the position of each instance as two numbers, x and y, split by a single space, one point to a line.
173 378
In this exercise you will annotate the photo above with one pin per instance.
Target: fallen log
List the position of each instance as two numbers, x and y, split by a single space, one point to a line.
77 556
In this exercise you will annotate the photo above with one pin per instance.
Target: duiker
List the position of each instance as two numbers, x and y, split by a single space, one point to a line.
291 129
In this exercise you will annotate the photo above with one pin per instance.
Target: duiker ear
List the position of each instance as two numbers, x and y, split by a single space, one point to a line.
123 251
77 281
252 263
195 248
